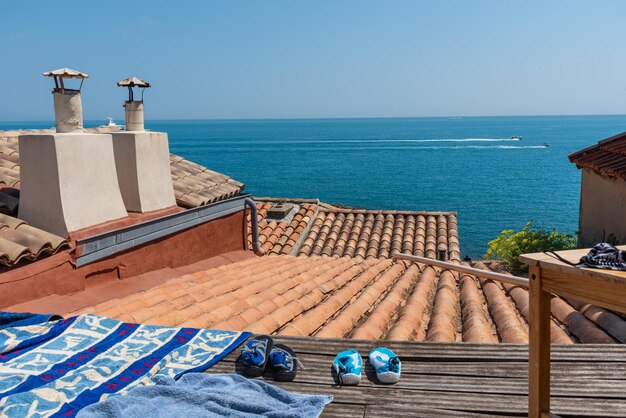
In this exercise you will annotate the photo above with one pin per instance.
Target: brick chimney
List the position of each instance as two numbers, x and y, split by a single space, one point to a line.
142 158
68 179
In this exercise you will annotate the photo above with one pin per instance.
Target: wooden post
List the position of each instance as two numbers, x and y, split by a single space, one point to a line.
539 347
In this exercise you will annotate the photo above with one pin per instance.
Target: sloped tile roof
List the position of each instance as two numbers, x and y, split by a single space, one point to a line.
606 157
356 298
20 241
281 236
322 229
194 185
380 234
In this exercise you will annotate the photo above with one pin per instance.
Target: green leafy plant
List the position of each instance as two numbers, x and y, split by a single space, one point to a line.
509 245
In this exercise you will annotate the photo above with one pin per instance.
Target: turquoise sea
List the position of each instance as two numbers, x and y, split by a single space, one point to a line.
465 164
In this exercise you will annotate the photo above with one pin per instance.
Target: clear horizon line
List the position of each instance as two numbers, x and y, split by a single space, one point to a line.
346 117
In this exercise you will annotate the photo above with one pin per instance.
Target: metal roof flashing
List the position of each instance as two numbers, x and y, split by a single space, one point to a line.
103 245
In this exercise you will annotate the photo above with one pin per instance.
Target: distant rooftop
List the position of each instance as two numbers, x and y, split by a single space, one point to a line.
606 157
316 228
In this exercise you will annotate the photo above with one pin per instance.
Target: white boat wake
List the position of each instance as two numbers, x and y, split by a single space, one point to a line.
361 141
384 148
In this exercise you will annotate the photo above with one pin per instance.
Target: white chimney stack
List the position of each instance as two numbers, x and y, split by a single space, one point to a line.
68 179
142 158
134 109
68 108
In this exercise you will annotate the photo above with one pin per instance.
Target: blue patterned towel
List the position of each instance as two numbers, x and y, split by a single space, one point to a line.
56 367
209 395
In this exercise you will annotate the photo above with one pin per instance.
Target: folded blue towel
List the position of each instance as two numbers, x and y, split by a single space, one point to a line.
208 395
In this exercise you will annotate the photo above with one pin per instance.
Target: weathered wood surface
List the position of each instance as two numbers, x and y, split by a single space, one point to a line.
459 380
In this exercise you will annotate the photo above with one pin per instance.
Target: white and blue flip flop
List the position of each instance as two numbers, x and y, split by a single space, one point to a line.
348 365
386 364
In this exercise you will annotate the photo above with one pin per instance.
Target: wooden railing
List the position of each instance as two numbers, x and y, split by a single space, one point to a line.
506 278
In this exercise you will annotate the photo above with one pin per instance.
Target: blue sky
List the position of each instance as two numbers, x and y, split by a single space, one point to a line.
292 59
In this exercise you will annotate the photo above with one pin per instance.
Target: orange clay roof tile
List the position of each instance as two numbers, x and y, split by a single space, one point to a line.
606 157
444 318
412 318
337 232
350 297
607 320
477 327
375 325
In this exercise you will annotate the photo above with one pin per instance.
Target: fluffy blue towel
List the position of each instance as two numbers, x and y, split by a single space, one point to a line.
208 395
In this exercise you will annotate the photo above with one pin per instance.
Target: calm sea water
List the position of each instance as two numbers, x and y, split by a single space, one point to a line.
468 165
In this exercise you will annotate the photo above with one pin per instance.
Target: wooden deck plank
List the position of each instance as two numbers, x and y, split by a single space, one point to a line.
564 386
566 371
467 379
413 411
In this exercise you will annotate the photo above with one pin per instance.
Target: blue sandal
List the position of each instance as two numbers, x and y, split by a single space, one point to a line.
348 365
386 364
284 363
255 355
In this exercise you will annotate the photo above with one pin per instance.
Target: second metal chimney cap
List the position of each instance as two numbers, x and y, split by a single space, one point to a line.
133 82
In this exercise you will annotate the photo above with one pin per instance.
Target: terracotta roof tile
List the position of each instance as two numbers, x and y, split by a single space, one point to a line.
584 329
19 241
350 297
336 232
414 315
375 325
607 156
343 324
612 323
477 326
444 319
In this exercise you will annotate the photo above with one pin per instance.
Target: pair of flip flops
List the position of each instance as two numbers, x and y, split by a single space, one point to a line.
348 365
260 353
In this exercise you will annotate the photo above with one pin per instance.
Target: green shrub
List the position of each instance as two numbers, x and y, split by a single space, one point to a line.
530 239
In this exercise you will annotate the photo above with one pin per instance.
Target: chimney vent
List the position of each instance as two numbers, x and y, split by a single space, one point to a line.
134 108
142 158
68 178
279 210
68 108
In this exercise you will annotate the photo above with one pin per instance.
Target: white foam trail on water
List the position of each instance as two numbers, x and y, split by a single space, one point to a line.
387 148
462 147
490 147
447 140
362 141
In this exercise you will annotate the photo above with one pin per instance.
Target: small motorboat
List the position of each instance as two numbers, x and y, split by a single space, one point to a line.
113 126
544 145
516 138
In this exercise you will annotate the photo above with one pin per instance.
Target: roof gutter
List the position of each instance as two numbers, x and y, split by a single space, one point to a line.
506 278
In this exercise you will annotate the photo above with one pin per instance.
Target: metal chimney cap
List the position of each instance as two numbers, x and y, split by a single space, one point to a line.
133 82
66 73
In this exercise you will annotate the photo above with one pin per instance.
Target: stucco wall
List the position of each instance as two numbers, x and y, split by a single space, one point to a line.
602 208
